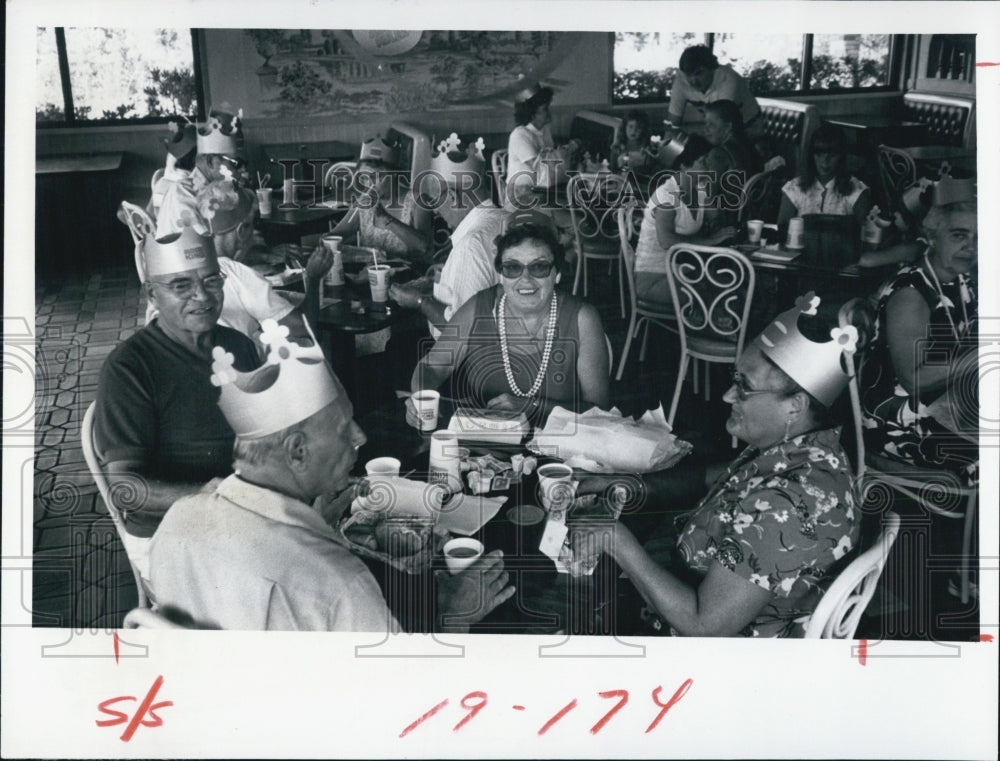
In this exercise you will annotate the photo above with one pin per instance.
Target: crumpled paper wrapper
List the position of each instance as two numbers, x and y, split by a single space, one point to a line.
602 441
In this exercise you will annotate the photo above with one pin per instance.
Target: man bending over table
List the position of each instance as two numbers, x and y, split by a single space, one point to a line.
257 553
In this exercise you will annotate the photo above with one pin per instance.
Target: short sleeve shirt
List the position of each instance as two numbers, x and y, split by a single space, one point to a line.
822 198
726 85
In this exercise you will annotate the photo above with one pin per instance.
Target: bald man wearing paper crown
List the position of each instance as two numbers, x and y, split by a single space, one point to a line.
257 554
157 429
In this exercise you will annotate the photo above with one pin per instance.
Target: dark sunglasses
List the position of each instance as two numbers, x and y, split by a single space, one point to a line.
514 270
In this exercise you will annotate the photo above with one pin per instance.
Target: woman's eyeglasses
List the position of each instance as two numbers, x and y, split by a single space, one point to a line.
184 288
744 392
514 270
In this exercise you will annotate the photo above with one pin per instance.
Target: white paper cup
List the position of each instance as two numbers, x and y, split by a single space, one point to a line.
426 404
445 462
460 553
378 279
755 228
264 201
287 193
335 275
557 488
796 233
384 467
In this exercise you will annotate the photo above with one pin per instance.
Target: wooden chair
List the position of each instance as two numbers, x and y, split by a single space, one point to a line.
896 172
643 314
711 288
133 545
594 200
498 165
839 611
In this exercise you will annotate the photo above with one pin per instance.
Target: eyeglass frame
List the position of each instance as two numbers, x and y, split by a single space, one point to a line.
743 393
534 269
189 285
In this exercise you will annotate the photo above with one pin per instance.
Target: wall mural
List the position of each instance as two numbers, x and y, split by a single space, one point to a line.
318 72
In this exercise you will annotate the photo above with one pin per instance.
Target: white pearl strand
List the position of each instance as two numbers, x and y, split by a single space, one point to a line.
550 335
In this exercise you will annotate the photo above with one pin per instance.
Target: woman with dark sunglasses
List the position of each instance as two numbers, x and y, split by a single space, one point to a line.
520 346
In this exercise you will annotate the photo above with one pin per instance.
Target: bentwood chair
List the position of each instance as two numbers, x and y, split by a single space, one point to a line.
643 313
841 607
711 288
135 548
896 172
594 200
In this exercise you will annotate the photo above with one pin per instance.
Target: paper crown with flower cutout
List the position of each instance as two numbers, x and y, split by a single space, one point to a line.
815 366
221 132
180 139
294 384
222 205
948 190
376 149
179 252
450 160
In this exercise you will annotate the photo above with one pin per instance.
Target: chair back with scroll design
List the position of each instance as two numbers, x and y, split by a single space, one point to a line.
141 225
97 473
594 200
642 313
841 607
896 172
762 197
156 199
711 288
498 165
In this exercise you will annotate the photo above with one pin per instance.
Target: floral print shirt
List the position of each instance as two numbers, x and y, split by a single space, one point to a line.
781 519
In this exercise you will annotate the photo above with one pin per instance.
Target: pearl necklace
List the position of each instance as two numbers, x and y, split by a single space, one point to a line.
550 335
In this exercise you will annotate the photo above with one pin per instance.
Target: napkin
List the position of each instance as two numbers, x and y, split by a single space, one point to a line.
602 441
480 425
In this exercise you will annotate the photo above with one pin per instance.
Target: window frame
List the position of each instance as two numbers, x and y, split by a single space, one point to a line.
71 122
897 46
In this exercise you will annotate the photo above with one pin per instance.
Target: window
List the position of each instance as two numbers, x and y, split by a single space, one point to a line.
645 63
101 75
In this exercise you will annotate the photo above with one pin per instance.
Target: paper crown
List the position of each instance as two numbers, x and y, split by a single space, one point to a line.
376 149
180 139
220 133
948 190
815 366
223 204
450 160
179 252
293 385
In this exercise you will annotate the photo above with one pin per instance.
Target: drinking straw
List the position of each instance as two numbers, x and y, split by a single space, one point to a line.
260 181
375 256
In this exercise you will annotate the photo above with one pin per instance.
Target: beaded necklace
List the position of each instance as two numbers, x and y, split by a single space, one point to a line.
550 335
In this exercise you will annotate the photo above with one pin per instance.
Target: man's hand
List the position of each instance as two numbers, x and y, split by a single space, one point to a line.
331 508
319 263
405 295
467 597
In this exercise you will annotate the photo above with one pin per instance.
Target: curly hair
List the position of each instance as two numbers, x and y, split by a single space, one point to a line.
521 233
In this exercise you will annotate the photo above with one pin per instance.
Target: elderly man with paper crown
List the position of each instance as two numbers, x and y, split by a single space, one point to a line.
750 559
256 553
158 431
181 145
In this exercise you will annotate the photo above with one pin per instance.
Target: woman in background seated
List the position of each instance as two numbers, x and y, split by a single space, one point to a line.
749 559
520 346
926 326
825 186
631 153
677 212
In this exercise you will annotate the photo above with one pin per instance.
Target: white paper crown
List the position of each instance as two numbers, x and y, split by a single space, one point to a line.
220 133
816 367
182 251
180 139
293 385
948 190
376 149
450 159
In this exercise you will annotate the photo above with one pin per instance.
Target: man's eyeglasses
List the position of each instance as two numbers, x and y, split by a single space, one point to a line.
514 270
184 288
235 162
744 392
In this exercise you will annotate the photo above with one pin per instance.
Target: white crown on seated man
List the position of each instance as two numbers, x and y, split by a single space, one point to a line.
450 160
221 132
815 366
179 252
293 385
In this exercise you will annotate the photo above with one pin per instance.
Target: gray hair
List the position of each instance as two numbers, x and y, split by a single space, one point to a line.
259 451
939 215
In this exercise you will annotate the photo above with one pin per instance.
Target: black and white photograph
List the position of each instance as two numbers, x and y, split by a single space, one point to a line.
428 379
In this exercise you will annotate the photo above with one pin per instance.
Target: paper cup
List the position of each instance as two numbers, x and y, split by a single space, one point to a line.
385 467
755 229
378 279
796 233
460 553
287 193
426 404
335 275
555 482
445 462
264 201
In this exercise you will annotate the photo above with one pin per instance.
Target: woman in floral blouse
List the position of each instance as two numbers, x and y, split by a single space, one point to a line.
752 554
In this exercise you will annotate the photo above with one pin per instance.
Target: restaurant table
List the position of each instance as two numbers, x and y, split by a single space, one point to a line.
291 223
929 158
308 157
869 130
545 601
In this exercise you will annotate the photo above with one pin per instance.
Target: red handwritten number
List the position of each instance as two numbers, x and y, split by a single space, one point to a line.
473 709
562 712
147 706
424 718
623 695
664 707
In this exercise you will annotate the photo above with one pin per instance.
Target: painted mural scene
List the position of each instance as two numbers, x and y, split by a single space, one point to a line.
658 333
